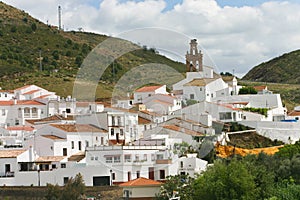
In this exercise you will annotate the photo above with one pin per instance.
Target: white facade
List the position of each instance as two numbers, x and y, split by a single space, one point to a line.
29 92
16 112
191 165
6 95
162 104
140 94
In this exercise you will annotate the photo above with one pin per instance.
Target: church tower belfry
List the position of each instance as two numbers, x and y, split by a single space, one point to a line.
194 58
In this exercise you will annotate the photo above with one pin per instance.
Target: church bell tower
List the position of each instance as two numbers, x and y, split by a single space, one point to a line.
194 58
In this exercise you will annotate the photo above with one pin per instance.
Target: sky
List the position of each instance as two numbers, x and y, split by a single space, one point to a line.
232 34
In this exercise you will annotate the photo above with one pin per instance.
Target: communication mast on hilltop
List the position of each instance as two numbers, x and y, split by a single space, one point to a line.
59 18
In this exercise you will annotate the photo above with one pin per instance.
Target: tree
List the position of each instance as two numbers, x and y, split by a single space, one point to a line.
33 26
225 181
53 192
74 189
179 185
247 90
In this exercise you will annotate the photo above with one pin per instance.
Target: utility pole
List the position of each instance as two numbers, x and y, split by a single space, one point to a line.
59 18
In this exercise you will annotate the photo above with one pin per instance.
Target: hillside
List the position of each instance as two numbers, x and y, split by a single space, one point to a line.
283 69
24 38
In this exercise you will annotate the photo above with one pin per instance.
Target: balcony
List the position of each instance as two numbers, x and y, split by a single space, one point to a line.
7 175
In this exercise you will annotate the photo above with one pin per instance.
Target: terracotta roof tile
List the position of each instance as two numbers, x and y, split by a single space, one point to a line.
49 158
294 113
78 128
31 92
11 153
53 137
20 128
200 82
24 87
148 88
47 119
260 87
21 102
183 130
141 182
77 157
142 120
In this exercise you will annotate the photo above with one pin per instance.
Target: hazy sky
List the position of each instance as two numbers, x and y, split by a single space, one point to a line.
236 34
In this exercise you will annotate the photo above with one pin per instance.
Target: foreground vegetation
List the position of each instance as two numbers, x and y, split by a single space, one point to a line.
260 177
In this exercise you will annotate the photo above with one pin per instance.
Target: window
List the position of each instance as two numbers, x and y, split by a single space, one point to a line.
145 157
192 96
63 165
212 95
129 175
181 164
119 121
145 127
96 157
152 157
72 144
112 120
207 94
5 95
3 112
53 166
17 122
86 143
138 174
162 174
112 132
102 140
117 159
296 118
137 157
108 160
68 110
127 158
159 157
92 157
79 145
121 132
200 89
34 112
65 152
66 179
26 112
225 115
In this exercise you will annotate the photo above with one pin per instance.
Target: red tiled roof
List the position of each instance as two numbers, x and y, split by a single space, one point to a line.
29 102
31 92
77 157
260 87
148 88
53 137
294 113
49 158
142 120
78 128
24 87
20 128
21 102
43 96
11 153
183 130
47 119
141 182
7 91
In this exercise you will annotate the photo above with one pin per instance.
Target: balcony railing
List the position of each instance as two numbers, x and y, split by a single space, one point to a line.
8 174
